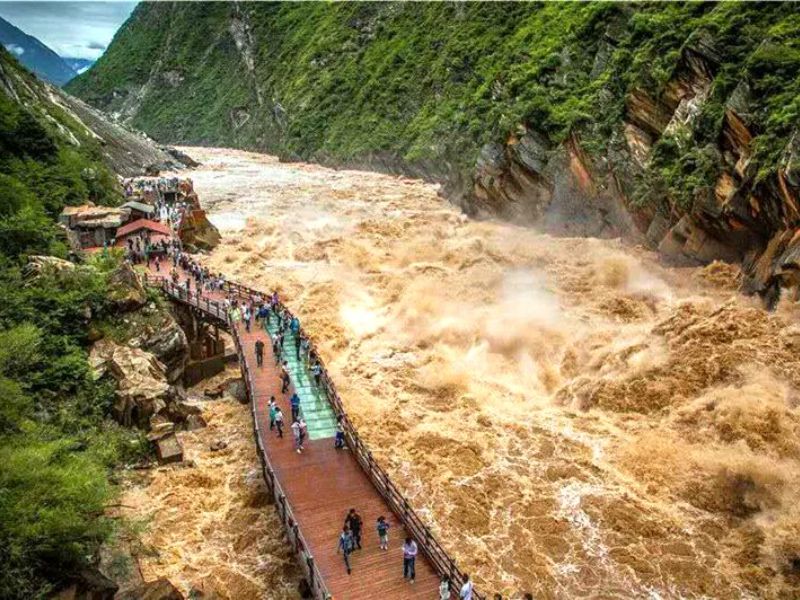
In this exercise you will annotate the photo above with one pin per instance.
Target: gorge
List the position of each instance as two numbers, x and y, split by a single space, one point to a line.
547 251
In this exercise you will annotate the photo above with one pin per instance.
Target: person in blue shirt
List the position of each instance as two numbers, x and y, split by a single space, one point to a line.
346 547
295 325
295 402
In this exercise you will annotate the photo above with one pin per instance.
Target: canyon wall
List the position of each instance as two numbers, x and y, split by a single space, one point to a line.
672 125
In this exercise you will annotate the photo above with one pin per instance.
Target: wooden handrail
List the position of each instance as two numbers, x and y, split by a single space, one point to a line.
442 562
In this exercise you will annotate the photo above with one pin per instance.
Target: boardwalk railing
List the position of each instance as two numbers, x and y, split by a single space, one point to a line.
298 542
443 563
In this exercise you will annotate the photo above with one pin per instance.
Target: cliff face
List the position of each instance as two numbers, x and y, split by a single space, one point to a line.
670 124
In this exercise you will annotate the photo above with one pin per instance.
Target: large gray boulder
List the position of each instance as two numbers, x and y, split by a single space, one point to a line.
169 345
125 289
143 391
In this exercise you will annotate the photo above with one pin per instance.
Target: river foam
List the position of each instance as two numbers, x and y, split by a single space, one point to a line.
571 417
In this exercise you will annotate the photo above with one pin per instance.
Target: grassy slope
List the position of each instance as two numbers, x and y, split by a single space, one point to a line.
433 82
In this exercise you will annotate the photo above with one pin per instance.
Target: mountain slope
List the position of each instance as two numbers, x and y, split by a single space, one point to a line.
670 124
35 55
79 126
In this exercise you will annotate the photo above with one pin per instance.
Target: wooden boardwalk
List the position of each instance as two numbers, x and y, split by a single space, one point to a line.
314 490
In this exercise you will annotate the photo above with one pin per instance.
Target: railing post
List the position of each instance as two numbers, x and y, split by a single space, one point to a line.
310 564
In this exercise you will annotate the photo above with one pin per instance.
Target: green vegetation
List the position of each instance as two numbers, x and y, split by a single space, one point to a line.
56 447
429 84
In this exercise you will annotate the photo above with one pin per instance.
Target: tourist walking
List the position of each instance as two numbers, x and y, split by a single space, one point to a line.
299 430
294 401
353 521
298 341
259 353
316 371
247 316
338 442
345 547
466 589
279 421
444 589
303 433
383 533
285 379
281 340
276 350
273 408
409 559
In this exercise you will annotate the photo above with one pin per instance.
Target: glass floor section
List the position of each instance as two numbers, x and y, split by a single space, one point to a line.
314 406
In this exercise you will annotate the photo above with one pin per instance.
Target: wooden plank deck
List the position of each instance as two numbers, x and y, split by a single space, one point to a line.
321 485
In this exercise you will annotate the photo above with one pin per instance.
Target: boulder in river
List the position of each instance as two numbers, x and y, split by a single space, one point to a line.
169 449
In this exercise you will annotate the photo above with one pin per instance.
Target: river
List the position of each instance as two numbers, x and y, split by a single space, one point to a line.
572 418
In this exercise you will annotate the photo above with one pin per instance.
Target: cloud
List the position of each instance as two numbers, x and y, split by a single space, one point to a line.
72 29
16 50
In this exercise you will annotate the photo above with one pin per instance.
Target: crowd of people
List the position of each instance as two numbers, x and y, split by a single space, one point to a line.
151 188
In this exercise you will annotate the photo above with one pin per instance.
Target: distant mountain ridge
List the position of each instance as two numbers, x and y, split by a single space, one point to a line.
35 55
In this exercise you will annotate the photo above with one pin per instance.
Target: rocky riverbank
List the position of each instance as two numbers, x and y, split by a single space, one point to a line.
205 524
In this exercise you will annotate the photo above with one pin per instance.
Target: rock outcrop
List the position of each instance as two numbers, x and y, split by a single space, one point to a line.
740 219
144 396
125 289
169 345
37 265
197 232
160 589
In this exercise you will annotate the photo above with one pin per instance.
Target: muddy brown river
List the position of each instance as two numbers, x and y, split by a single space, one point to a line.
572 418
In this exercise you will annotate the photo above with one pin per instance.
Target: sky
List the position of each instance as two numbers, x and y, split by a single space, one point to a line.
72 29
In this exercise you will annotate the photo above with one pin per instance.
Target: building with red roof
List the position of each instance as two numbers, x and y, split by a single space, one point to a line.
155 231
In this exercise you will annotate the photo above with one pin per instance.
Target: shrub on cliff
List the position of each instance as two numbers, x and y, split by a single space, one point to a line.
56 446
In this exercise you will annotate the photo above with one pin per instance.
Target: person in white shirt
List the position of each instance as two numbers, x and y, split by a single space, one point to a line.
444 589
409 558
466 589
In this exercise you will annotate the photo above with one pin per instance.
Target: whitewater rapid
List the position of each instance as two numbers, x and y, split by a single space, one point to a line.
572 418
